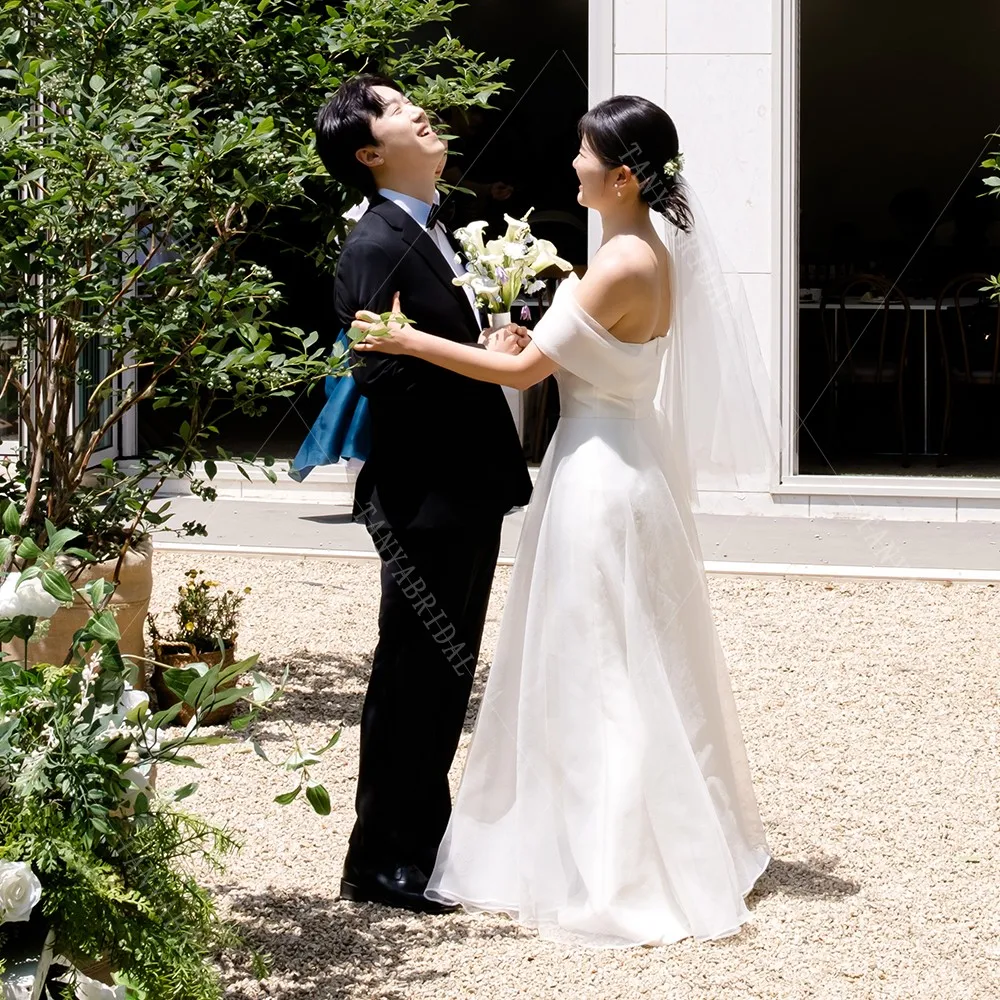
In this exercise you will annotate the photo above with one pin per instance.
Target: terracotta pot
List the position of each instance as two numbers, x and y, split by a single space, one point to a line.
130 605
99 969
182 654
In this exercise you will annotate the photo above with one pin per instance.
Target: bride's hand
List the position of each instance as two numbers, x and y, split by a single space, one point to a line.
394 336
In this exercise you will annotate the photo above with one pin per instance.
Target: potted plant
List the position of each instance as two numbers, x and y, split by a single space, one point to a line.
139 166
95 879
206 631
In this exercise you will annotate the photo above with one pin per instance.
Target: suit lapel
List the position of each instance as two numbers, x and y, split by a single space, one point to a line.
419 242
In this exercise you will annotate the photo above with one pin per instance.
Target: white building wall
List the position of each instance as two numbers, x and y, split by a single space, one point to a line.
721 69
709 63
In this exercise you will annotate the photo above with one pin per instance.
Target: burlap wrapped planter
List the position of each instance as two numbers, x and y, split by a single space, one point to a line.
130 605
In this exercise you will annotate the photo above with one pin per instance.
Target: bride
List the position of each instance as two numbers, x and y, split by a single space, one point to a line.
606 798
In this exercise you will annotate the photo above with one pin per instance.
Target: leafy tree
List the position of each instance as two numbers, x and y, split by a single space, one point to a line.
141 147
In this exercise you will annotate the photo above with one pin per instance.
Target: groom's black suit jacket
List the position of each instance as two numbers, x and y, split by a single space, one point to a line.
444 447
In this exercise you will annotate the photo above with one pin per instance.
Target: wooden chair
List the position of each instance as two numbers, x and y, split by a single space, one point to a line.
867 348
969 336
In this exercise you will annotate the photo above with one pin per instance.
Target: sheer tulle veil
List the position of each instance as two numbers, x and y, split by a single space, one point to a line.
715 397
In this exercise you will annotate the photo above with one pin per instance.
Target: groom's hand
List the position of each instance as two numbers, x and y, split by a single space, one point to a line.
510 339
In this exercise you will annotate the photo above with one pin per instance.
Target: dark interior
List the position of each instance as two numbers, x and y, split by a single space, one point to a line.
898 101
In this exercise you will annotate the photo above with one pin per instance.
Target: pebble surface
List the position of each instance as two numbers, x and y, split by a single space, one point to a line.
870 713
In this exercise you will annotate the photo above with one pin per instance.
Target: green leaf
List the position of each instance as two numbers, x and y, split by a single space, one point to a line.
200 690
238 668
241 722
334 740
28 549
97 83
221 699
82 554
12 519
319 798
286 797
181 761
184 791
208 741
104 628
58 539
211 469
56 584
266 125
164 718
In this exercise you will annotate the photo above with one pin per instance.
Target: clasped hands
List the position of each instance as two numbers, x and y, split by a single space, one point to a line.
396 335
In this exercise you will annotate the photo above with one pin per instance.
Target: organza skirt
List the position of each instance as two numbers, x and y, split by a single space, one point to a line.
606 798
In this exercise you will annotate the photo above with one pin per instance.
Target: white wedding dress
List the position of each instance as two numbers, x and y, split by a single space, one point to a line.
606 798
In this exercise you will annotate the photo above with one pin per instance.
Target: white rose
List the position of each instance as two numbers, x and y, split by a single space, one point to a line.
133 704
30 598
139 785
91 989
20 891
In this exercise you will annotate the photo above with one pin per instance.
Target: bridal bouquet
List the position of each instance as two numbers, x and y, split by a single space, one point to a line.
498 270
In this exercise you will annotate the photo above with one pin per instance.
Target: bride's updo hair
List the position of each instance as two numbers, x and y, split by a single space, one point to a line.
633 132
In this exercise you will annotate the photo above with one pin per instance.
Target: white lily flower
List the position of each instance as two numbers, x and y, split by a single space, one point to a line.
517 229
547 257
485 288
472 234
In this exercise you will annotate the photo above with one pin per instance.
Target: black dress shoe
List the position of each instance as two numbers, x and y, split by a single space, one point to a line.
402 887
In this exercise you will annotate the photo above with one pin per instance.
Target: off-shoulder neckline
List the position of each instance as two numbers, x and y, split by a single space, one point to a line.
570 283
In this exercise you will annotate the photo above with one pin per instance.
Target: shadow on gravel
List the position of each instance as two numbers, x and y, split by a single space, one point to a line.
810 878
322 687
325 949
329 688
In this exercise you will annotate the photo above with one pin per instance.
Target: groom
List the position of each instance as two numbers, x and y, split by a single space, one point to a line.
445 466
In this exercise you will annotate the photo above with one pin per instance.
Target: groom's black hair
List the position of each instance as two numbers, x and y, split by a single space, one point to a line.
344 125
636 133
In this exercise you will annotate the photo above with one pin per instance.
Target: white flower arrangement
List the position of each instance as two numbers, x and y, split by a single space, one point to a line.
498 270
26 597
133 704
20 891
673 167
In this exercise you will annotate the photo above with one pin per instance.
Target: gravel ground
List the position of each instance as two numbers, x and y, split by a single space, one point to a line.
870 716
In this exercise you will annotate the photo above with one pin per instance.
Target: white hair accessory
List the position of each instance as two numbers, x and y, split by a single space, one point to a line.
673 167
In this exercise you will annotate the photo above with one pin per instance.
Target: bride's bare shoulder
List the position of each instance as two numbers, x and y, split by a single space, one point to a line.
623 257
618 271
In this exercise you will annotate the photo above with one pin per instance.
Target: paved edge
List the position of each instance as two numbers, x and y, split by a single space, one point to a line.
717 567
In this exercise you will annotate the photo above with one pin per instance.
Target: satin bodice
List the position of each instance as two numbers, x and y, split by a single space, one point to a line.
600 377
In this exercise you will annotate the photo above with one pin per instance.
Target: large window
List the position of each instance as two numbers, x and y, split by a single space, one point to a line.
898 363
